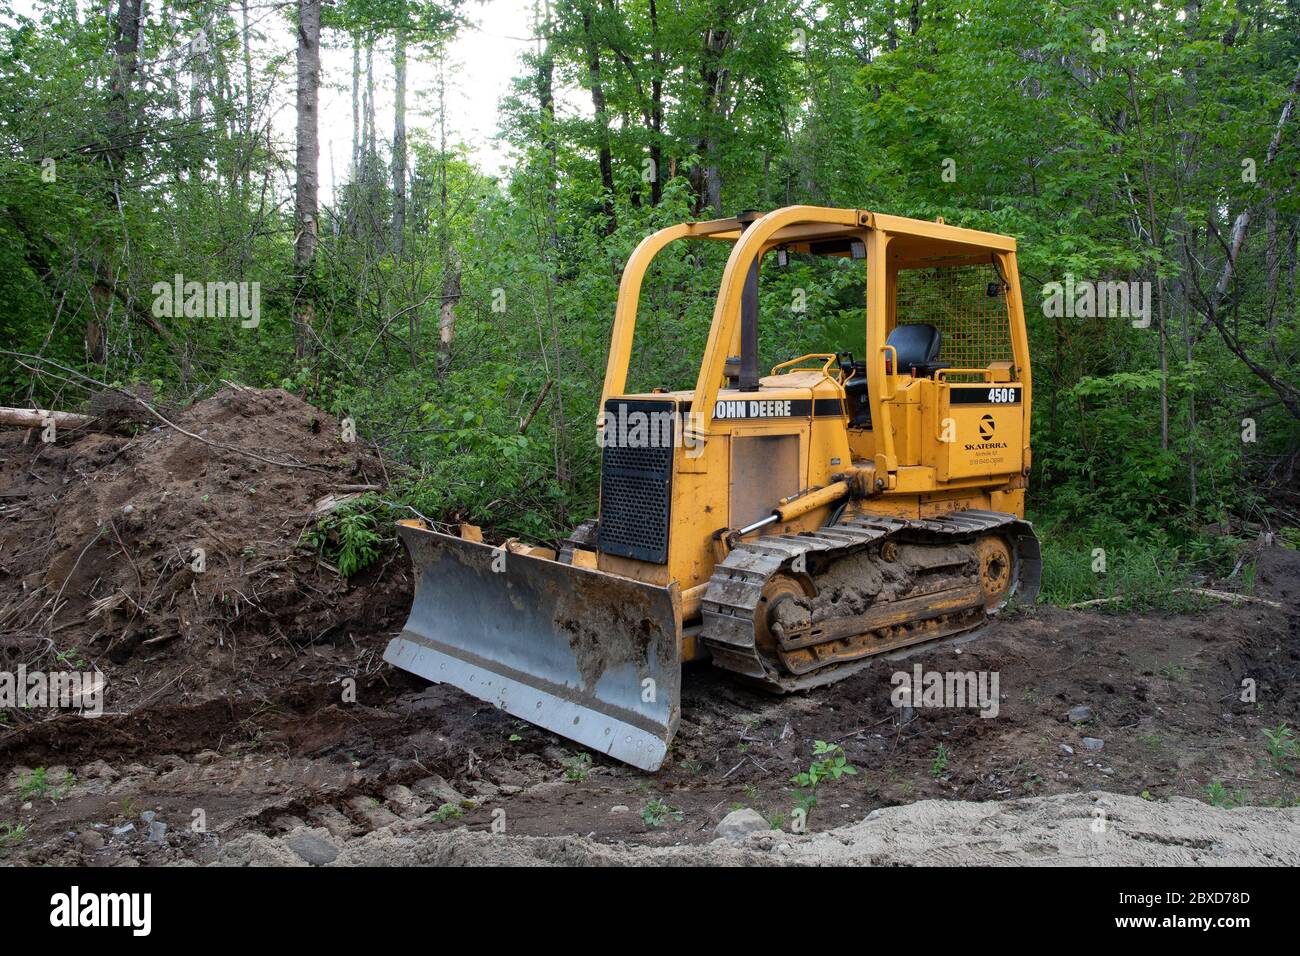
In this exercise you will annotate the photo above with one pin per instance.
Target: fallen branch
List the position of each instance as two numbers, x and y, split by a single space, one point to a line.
1228 596
525 422
1093 603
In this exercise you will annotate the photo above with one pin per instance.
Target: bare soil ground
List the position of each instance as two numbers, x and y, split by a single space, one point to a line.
238 728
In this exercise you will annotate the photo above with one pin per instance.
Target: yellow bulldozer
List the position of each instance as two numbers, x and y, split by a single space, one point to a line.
789 527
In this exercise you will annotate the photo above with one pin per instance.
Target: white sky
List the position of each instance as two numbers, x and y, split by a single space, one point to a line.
481 62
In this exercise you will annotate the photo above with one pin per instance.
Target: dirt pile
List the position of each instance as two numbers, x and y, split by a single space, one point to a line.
171 560
1098 828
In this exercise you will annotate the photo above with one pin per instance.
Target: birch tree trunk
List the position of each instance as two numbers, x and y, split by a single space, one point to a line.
356 106
308 158
399 144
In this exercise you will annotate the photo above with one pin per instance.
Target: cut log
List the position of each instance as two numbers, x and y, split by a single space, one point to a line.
39 418
332 501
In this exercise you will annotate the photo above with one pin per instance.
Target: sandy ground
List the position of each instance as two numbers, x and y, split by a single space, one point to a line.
1092 829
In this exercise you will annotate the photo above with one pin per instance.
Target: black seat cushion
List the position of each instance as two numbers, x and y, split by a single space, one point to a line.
917 347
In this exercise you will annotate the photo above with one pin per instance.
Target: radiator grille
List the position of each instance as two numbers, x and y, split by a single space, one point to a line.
636 485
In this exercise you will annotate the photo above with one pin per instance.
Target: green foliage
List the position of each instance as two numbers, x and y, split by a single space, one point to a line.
577 768
940 763
448 811
33 784
72 658
38 785
1138 574
828 761
1138 434
656 812
350 537
1218 795
1282 746
11 834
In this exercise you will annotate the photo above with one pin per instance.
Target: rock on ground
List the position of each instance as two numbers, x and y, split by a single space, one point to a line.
738 824
258 849
314 846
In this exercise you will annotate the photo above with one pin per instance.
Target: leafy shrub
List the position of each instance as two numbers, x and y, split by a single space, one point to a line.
349 537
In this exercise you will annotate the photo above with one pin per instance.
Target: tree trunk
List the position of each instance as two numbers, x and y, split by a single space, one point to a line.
248 100
370 149
196 64
399 144
308 158
126 43
1156 242
546 119
447 314
1290 267
598 105
656 109
356 106
38 418
706 178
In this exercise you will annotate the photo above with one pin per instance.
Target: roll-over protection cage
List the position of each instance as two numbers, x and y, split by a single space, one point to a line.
962 281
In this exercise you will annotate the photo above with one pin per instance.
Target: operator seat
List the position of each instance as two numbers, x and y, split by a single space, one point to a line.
917 347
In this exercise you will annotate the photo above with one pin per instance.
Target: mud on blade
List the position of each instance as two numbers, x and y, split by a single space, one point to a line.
588 655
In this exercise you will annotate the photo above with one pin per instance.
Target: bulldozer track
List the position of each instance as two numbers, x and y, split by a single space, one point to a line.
737 586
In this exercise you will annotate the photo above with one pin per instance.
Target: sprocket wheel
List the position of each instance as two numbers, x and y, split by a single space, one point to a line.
995 566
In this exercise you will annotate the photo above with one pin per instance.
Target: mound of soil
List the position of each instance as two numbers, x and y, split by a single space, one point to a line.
171 560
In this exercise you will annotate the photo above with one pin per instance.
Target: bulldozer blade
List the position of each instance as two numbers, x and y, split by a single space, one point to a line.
588 655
